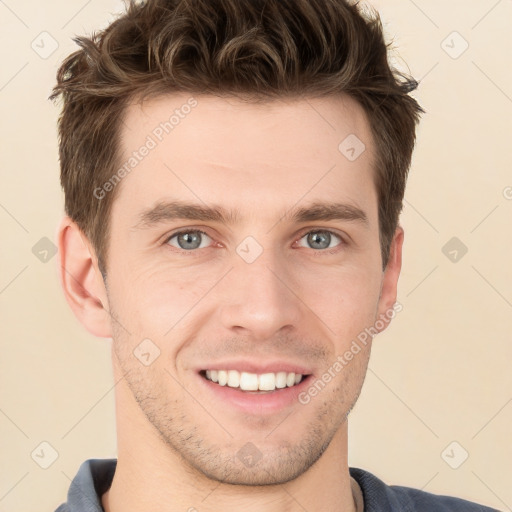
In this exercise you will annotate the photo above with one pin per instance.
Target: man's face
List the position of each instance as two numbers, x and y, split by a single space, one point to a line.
277 285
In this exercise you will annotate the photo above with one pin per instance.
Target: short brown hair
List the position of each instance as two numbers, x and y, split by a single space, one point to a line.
259 49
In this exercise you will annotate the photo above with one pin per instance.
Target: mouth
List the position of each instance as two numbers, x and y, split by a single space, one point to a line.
256 390
255 383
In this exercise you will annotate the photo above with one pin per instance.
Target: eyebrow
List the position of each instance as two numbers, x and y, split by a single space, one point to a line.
179 210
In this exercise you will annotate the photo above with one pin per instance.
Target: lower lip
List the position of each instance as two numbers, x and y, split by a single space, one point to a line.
257 403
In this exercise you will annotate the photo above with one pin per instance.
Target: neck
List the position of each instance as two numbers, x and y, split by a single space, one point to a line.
147 480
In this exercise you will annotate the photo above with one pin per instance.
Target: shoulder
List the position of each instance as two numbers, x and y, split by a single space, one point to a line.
94 478
422 501
380 497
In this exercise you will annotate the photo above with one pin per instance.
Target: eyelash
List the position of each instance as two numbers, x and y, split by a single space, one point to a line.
300 237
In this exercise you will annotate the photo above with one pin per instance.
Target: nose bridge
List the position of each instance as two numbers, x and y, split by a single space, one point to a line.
259 299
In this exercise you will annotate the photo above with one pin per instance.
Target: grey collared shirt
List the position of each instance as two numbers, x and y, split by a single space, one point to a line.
95 477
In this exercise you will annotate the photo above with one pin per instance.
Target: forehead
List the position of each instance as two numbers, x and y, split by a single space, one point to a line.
252 157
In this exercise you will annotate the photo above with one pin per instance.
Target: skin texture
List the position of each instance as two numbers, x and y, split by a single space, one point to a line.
177 442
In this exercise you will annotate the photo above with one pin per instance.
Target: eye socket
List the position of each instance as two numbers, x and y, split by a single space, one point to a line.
189 240
320 239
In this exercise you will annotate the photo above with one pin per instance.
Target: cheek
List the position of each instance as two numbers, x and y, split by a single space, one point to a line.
155 299
344 298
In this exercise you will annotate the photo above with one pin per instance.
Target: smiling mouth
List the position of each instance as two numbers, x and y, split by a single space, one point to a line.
254 382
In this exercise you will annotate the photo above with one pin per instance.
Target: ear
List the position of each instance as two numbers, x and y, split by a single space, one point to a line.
390 276
81 279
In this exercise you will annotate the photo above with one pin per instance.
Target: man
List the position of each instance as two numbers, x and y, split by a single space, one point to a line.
233 174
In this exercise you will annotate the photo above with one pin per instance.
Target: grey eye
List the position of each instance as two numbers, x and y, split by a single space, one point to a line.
189 240
320 239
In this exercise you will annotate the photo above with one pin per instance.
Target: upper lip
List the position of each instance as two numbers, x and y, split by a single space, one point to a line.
258 367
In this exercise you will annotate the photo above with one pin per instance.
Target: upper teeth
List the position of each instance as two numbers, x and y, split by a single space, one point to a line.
253 381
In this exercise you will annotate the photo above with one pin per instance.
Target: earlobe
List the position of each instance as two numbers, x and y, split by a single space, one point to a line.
81 279
390 277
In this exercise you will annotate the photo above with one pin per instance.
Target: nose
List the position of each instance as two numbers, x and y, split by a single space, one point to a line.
260 299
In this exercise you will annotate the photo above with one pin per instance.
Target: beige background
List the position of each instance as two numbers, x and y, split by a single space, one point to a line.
439 374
